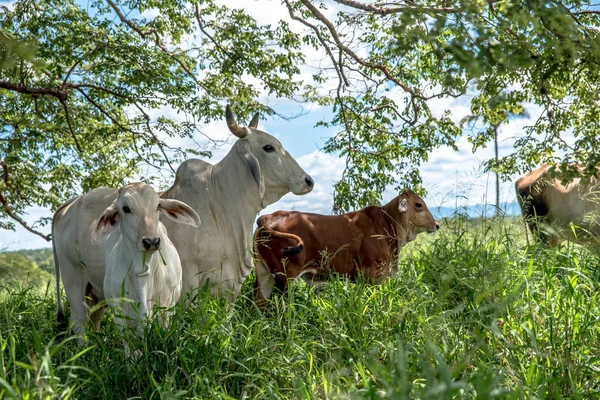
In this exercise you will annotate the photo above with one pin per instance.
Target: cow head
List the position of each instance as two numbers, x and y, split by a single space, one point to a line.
414 215
274 170
136 213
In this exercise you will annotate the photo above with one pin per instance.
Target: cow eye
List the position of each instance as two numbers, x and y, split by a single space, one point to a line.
419 205
269 149
126 210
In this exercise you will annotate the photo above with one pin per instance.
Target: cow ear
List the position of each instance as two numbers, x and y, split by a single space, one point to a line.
104 225
253 165
403 206
178 211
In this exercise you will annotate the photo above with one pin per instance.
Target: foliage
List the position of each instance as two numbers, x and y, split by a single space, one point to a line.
473 313
31 267
92 107
42 257
89 109
393 58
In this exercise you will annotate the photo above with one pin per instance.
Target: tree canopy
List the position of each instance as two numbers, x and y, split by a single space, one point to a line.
81 84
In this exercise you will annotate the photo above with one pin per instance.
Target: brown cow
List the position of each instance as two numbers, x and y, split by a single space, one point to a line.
549 207
293 244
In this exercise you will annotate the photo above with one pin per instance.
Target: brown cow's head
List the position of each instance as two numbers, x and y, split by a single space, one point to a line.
413 216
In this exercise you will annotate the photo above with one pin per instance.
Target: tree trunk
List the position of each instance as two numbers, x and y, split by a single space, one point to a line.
497 174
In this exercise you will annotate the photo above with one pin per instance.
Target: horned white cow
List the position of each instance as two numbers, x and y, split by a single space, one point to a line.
82 260
142 265
227 196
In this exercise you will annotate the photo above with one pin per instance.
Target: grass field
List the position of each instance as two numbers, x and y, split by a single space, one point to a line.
473 313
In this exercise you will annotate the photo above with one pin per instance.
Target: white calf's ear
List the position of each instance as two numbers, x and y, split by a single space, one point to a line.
104 225
178 211
403 206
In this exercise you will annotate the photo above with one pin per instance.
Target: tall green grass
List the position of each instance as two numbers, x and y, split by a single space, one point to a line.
473 313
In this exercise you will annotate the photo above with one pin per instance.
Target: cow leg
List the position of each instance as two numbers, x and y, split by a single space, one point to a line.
292 271
92 300
308 276
73 282
554 241
264 282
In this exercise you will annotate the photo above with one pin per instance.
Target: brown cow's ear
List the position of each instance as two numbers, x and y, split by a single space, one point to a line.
403 206
105 224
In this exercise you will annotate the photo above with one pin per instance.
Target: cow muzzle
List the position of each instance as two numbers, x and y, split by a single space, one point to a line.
151 243
434 229
308 185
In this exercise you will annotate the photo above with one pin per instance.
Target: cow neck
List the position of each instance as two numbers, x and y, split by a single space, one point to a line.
233 177
392 222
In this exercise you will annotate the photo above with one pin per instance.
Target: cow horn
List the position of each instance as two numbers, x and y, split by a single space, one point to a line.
254 122
232 124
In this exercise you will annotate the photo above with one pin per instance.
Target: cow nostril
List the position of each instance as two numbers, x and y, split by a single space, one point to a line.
309 181
152 243
437 226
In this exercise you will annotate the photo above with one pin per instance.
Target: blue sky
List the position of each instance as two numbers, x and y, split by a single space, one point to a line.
453 179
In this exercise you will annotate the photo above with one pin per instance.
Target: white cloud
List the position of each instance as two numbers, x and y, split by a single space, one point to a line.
10 5
325 170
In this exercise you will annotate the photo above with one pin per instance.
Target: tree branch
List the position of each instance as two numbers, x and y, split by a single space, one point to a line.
157 41
68 117
130 24
59 94
155 139
594 12
393 10
10 212
338 68
336 37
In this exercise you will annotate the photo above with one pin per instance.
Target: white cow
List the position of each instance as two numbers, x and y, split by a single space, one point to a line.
82 260
142 265
227 196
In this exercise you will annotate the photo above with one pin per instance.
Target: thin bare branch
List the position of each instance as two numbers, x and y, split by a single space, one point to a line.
154 138
130 24
157 41
378 9
70 72
338 67
202 25
68 117
383 68
8 210
594 12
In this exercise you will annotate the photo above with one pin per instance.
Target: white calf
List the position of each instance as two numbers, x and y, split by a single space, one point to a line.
142 265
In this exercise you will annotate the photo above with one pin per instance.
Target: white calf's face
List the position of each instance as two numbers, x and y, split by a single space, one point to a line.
138 208
136 213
